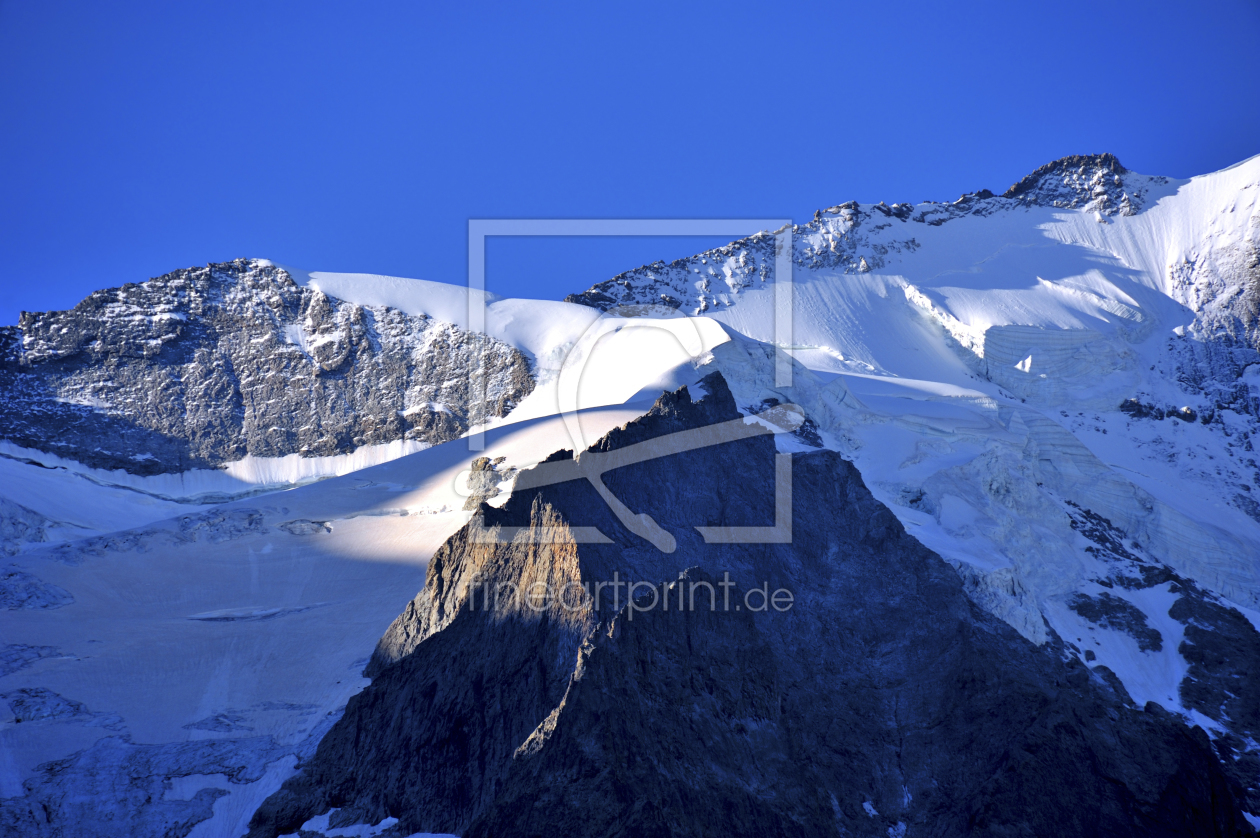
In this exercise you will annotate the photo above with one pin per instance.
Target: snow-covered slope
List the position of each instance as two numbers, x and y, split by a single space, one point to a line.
258 589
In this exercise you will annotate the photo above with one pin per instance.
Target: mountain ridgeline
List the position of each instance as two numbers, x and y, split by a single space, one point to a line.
204 366
852 238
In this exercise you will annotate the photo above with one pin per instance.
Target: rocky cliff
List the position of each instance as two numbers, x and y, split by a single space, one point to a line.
203 366
878 700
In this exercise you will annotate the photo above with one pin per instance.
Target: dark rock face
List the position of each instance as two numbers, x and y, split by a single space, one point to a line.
1112 612
880 701
1223 682
203 366
1223 650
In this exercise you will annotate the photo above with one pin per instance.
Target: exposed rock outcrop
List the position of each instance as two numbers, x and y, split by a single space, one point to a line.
116 787
15 657
19 589
1222 285
20 527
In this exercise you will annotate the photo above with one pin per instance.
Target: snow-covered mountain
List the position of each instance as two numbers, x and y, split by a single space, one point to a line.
1054 390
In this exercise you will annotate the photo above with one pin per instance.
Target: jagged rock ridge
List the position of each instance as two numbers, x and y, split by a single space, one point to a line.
881 703
203 366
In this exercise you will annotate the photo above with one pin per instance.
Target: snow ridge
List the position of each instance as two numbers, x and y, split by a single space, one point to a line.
853 238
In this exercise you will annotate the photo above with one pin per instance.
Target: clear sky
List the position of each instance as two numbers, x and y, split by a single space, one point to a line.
137 138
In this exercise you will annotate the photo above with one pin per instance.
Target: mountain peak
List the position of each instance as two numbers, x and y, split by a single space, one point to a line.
1077 163
1080 181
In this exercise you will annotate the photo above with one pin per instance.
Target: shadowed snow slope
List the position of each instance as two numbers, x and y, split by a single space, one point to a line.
219 644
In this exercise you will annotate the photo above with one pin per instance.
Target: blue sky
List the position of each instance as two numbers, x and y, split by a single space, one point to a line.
143 137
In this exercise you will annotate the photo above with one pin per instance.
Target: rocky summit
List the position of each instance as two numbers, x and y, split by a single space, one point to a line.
874 698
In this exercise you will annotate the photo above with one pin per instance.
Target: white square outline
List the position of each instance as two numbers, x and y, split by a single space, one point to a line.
479 229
